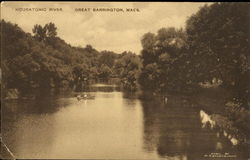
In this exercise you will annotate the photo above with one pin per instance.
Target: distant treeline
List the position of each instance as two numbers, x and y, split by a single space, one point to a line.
44 60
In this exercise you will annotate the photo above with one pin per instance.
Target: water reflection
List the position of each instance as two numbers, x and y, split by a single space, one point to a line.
207 121
99 87
176 131
114 125
56 126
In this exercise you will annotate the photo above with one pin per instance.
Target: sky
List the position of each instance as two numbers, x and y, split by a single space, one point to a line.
114 31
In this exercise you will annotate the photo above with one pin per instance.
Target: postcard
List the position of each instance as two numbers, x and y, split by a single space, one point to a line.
125 80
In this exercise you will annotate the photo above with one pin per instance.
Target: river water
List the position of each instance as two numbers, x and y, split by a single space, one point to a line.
113 125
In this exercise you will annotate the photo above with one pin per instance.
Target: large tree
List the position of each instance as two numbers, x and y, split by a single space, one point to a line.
160 55
45 33
128 67
218 38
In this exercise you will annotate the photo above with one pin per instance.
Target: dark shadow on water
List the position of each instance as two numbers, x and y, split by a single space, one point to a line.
130 95
42 101
99 88
174 129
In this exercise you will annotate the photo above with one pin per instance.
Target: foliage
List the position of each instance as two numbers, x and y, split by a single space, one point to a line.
240 118
214 45
44 33
107 58
218 39
127 67
104 71
160 55
45 60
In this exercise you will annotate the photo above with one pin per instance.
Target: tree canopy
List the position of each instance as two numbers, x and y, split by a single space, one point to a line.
45 60
218 39
214 45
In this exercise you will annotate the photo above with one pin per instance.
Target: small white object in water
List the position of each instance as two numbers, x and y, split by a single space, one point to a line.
234 141
225 133
166 100
78 97
206 119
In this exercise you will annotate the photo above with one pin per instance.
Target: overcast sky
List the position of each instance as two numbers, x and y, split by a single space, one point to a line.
116 31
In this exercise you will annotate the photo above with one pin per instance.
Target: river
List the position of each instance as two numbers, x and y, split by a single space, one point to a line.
113 125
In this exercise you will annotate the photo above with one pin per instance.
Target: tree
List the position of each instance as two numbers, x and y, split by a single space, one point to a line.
148 45
39 32
104 71
218 38
46 32
50 30
81 72
128 68
108 58
28 61
159 55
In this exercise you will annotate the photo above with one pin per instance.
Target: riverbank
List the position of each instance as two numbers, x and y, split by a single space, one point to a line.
212 100
217 103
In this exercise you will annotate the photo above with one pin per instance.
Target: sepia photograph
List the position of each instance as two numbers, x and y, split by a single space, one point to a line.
125 80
